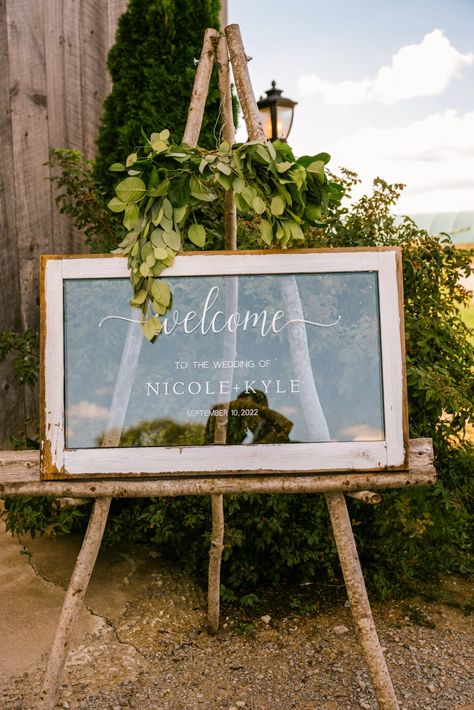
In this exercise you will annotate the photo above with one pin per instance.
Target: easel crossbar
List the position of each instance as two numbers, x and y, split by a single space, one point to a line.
19 476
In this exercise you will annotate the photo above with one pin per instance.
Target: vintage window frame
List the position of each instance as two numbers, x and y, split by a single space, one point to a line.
57 462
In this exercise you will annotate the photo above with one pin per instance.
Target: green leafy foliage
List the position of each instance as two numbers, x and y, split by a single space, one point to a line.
167 185
31 515
23 349
152 65
414 535
80 196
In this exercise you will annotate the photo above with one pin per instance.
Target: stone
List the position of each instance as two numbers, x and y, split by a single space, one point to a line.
340 630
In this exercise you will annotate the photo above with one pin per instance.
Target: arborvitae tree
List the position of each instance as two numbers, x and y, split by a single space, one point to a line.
152 68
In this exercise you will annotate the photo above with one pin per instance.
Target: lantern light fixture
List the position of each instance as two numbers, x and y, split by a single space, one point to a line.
276 113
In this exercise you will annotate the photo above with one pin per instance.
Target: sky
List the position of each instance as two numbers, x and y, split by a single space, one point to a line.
386 88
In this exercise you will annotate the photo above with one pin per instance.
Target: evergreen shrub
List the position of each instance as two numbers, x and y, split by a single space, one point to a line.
152 68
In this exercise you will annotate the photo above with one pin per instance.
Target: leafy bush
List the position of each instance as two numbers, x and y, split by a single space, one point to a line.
23 348
415 535
81 197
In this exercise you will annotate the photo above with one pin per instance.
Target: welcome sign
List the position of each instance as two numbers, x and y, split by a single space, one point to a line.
293 360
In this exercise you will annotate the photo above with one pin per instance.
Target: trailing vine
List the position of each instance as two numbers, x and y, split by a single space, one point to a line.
167 182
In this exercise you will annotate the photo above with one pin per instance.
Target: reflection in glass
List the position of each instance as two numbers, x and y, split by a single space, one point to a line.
182 375
250 421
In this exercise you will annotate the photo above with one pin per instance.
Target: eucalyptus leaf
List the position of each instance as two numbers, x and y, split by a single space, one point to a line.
296 231
150 261
225 147
159 308
298 175
151 328
161 292
200 191
258 205
157 214
306 160
240 203
271 150
116 205
146 250
238 185
237 163
139 298
159 146
262 151
167 209
312 212
224 168
266 231
160 253
158 268
160 189
144 269
224 181
172 240
316 166
117 167
132 189
277 206
283 167
179 214
248 195
167 224
131 216
197 235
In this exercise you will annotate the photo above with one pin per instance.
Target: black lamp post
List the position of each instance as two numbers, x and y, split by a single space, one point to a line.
276 113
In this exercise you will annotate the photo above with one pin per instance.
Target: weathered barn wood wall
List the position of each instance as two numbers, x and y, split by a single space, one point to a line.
53 80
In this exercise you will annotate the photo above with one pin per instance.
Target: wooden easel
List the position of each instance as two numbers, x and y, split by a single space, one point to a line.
218 48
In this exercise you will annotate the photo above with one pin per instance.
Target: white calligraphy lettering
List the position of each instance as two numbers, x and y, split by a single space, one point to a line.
216 322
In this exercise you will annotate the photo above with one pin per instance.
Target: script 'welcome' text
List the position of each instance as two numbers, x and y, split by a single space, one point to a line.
210 320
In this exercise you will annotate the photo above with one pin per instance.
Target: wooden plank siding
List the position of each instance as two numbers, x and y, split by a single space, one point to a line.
12 401
53 81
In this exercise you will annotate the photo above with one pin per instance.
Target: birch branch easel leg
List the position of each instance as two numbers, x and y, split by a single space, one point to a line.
72 603
97 521
230 340
359 601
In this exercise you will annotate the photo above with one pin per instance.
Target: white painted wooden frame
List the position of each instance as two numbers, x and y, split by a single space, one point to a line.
391 453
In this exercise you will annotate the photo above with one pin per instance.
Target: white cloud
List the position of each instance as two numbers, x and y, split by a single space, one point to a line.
88 410
434 157
424 69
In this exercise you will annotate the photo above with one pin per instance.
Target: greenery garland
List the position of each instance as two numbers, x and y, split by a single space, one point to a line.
167 182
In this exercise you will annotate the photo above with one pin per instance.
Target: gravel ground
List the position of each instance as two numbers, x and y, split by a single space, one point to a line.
156 655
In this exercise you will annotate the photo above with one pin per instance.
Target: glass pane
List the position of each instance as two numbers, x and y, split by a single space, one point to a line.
257 358
284 116
266 118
